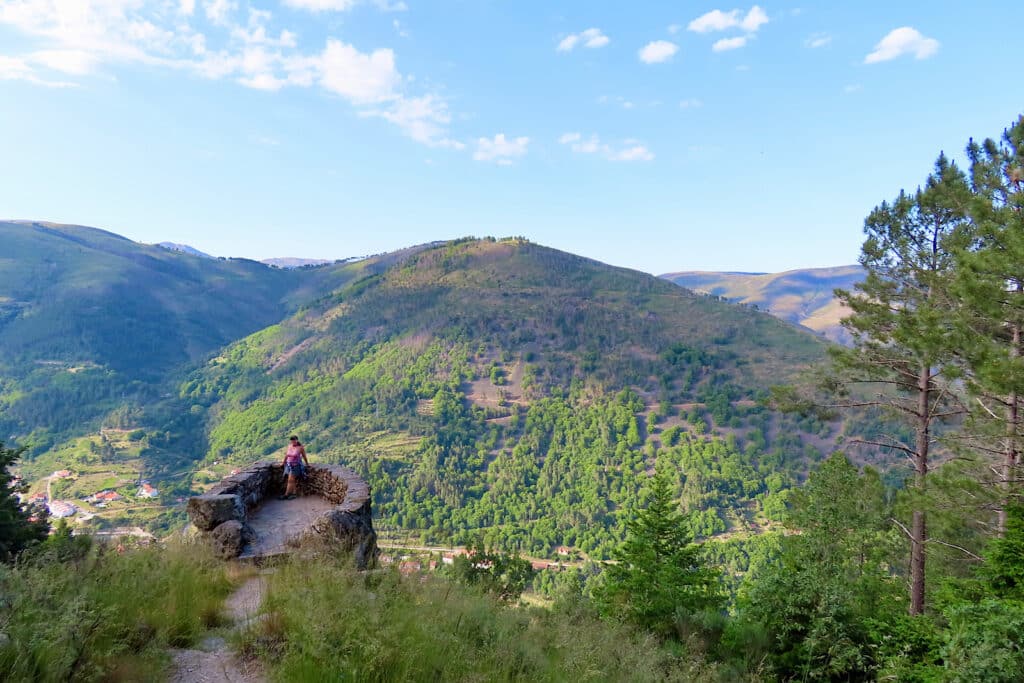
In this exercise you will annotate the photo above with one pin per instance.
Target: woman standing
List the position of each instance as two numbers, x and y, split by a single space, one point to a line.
295 462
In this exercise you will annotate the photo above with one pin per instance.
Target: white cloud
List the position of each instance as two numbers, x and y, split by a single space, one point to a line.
73 62
902 41
217 11
322 5
12 68
818 40
634 153
361 77
17 69
187 7
592 38
715 20
755 18
729 44
424 119
500 150
690 103
657 51
674 29
630 150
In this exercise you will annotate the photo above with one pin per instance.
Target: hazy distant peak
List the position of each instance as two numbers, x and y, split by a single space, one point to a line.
803 296
184 248
294 262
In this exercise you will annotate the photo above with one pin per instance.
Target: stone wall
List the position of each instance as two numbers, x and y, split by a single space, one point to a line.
222 512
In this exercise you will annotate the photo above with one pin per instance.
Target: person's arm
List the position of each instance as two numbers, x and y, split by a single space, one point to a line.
302 449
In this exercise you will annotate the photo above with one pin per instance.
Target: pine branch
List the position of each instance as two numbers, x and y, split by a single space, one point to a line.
952 545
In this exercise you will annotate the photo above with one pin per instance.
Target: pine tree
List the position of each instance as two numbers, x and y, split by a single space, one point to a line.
901 358
17 528
658 578
991 288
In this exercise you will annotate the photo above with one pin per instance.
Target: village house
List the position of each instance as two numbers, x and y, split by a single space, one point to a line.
61 474
107 496
147 491
60 509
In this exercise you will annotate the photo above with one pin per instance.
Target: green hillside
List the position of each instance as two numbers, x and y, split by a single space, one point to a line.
93 326
802 297
504 388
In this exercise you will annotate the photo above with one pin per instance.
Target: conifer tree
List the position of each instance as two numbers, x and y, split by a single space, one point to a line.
658 577
17 528
991 289
900 325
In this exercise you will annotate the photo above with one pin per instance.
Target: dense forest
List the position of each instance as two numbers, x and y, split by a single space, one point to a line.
500 389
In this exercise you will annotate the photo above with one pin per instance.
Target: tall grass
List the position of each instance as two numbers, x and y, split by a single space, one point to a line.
323 621
96 614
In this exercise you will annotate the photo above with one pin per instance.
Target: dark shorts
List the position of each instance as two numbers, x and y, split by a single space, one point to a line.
297 469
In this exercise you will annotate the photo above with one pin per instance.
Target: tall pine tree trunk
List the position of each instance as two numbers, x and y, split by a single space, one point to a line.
1010 454
918 527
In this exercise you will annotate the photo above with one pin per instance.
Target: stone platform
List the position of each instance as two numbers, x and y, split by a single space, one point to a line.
243 518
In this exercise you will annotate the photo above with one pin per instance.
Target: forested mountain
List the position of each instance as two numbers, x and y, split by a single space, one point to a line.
91 322
513 390
802 297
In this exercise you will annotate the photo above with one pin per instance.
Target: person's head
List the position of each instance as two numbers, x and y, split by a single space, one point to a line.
294 440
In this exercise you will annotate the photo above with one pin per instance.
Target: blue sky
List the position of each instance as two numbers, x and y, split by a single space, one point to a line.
657 135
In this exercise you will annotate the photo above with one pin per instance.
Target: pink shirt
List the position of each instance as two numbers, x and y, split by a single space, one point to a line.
293 454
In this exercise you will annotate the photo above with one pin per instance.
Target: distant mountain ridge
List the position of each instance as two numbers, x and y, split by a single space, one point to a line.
184 248
295 262
803 297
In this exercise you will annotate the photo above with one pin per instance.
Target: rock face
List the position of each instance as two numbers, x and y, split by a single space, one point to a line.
230 538
222 512
210 511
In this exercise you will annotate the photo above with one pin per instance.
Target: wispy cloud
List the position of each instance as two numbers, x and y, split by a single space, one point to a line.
902 41
591 38
343 5
817 40
500 150
726 44
657 51
690 103
628 150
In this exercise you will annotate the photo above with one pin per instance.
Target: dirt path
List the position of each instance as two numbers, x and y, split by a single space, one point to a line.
213 661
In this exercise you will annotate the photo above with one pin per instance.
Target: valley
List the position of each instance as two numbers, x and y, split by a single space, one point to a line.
485 388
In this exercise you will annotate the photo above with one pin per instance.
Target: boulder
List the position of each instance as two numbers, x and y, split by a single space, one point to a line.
351 532
207 512
228 539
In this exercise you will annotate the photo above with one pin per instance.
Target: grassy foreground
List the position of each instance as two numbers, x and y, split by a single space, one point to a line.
71 611
325 622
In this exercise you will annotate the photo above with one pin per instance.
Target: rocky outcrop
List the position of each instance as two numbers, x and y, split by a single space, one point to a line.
209 511
229 538
222 513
